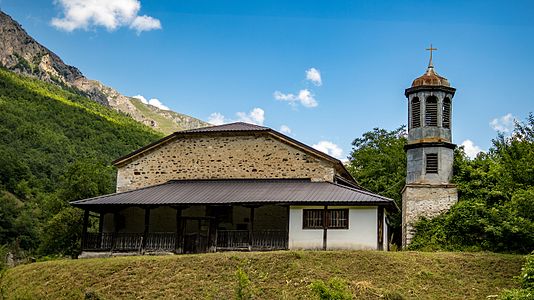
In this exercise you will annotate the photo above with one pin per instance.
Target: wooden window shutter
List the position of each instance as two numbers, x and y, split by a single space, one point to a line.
431 111
432 163
416 113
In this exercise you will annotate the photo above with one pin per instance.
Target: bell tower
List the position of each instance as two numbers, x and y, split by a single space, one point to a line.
430 151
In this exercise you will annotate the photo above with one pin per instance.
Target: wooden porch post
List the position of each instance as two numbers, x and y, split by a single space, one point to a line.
147 228
178 243
325 226
251 228
101 222
287 226
380 229
84 228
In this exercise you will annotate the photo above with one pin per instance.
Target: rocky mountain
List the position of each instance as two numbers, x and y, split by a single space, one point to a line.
20 53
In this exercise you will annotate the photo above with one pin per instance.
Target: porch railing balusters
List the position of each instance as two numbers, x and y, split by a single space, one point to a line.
166 241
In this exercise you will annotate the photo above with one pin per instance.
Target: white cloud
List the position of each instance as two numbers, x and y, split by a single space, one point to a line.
329 148
471 149
285 129
503 124
255 116
145 23
314 75
216 119
154 102
110 14
305 97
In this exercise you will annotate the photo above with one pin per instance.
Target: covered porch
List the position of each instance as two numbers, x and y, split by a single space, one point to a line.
195 216
188 229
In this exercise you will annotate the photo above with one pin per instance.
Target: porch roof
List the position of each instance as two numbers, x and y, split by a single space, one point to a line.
239 191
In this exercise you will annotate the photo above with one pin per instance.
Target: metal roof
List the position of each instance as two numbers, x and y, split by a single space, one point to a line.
240 191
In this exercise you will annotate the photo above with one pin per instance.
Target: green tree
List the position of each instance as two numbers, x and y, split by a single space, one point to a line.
378 163
495 211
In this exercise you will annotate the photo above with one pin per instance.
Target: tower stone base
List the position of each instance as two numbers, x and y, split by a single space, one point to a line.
424 200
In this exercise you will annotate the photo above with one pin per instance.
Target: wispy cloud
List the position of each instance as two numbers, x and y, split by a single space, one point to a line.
110 14
255 116
329 148
304 97
314 75
285 129
216 119
503 124
471 149
154 102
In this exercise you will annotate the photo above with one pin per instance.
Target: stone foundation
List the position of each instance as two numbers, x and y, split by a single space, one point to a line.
424 200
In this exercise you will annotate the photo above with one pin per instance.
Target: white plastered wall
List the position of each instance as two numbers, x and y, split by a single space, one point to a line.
361 234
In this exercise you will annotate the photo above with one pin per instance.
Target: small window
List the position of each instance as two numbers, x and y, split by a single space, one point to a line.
432 163
335 219
431 111
416 113
338 218
313 219
447 113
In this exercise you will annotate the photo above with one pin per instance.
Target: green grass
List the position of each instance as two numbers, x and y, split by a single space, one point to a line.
273 275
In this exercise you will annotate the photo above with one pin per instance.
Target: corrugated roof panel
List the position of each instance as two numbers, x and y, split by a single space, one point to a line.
237 191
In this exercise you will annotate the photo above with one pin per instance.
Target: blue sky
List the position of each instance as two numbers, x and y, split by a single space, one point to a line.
230 58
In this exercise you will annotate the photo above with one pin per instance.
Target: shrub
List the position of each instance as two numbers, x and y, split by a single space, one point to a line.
244 287
526 280
334 289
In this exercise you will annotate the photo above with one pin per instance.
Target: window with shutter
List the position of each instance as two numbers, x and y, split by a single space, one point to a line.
334 219
432 163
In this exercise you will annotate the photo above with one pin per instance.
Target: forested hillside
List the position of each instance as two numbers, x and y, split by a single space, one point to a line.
55 146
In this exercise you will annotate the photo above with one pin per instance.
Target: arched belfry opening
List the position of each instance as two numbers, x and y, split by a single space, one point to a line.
428 191
446 113
416 113
431 111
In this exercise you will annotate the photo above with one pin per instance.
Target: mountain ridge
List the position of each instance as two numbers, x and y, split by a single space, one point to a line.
21 53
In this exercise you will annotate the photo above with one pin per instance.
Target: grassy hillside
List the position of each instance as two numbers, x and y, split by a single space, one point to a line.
274 275
55 146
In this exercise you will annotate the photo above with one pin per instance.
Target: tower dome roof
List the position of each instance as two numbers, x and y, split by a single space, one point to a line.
431 78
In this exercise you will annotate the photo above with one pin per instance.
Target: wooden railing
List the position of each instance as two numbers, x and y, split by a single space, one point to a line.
155 241
257 240
166 241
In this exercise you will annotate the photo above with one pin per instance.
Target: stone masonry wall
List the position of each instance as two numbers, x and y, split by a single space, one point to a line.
424 201
222 157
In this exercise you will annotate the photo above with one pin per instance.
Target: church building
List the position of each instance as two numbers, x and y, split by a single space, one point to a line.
233 187
240 186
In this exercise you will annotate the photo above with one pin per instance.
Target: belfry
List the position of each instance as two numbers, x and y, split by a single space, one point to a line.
430 151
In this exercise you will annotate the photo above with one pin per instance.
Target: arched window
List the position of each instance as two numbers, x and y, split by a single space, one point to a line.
416 113
447 113
431 111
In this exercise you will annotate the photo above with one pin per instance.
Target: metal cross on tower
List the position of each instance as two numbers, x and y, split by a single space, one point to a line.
430 65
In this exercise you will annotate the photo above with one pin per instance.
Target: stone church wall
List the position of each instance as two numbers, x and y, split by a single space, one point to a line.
222 157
